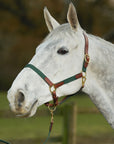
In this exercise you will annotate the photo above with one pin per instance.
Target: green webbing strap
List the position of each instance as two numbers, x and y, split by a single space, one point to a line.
84 68
68 80
41 74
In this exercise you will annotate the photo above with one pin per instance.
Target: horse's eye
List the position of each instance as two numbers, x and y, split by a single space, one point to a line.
63 51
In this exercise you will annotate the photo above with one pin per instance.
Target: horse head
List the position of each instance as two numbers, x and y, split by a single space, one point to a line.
59 56
57 61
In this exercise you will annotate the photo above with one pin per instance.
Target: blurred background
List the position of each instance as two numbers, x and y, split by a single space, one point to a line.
22 28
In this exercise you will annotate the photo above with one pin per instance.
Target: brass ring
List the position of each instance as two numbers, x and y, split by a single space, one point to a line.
52 88
86 56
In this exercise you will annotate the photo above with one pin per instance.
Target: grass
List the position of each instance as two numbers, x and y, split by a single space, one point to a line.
19 128
93 125
88 125
4 105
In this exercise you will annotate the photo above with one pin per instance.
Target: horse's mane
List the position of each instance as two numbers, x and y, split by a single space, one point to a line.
102 40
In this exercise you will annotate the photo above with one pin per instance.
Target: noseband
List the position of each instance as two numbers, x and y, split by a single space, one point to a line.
54 86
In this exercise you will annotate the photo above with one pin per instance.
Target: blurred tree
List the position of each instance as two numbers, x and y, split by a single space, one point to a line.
20 11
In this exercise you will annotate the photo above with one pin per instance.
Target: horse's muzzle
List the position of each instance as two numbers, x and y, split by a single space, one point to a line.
19 105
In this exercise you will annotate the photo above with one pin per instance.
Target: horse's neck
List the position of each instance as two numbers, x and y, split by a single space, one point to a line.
101 62
100 76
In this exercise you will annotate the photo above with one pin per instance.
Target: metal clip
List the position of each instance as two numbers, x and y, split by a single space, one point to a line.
83 78
51 111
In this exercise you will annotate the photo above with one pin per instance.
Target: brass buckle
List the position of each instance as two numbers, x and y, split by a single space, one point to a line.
52 88
83 78
86 56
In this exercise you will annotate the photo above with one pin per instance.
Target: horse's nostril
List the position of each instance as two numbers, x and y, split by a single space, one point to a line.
21 97
19 100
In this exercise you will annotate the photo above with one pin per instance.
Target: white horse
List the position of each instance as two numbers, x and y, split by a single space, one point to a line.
59 57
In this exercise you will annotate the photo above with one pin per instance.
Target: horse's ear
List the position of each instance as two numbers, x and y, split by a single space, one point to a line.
50 21
72 16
